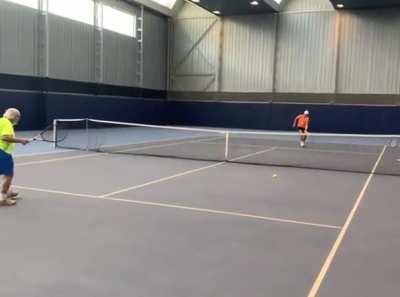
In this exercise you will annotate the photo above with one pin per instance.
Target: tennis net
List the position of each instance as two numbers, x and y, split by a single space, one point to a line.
340 152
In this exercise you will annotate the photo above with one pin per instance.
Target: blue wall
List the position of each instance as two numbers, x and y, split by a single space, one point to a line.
32 106
43 99
106 108
273 116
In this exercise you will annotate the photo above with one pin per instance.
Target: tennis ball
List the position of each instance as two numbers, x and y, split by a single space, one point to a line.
274 176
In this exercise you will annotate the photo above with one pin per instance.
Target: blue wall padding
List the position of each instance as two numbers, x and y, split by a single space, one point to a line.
219 114
106 108
31 105
272 116
39 109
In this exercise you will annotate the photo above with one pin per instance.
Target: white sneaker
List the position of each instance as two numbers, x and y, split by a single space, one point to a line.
302 144
8 201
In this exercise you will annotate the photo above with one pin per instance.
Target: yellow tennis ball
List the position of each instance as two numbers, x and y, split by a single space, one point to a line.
274 176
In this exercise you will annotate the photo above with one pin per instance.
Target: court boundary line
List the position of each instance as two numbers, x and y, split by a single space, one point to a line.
132 188
329 259
182 207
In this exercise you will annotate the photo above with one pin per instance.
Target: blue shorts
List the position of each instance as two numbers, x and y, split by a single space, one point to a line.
6 164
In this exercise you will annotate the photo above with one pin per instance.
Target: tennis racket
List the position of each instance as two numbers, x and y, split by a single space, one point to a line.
49 135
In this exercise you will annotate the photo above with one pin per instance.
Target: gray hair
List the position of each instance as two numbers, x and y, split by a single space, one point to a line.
11 113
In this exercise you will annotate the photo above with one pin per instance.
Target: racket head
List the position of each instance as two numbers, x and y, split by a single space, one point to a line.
49 134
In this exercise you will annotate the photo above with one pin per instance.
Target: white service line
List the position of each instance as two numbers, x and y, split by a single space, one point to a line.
58 159
161 180
328 261
181 207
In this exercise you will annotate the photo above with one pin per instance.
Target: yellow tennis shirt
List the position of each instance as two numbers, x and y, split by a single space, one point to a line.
6 128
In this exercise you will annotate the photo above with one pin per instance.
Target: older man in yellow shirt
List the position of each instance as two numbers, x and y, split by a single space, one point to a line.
7 144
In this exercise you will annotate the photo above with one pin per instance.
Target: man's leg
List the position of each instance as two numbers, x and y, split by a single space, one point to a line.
5 199
303 137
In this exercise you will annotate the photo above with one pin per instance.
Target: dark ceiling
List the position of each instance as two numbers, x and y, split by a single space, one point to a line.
235 7
355 4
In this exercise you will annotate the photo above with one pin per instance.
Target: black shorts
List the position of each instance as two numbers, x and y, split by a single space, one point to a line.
302 129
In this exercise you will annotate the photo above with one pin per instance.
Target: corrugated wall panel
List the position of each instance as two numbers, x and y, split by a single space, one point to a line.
248 59
306 53
304 5
119 59
195 55
18 39
370 52
155 51
71 54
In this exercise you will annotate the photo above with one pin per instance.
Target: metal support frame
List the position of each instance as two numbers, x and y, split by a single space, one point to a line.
140 46
98 42
218 86
337 51
43 39
275 54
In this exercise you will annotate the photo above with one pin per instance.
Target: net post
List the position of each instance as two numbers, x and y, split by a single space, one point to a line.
54 134
226 146
87 133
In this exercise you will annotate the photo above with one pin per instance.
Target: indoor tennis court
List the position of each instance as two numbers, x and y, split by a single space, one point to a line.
199 148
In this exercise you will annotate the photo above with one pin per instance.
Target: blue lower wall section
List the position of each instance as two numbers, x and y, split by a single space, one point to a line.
31 105
39 109
105 108
272 116
218 114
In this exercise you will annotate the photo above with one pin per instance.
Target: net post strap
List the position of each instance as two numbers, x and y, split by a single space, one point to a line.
226 146
54 133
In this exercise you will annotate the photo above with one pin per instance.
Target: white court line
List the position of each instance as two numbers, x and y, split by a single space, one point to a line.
43 153
58 159
328 261
179 175
161 180
181 207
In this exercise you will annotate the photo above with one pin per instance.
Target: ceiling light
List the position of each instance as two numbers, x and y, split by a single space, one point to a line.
216 12
254 3
340 5
196 1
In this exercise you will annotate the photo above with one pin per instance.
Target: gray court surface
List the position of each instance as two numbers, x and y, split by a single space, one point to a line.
92 224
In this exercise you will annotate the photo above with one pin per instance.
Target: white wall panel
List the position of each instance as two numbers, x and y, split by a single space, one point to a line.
155 51
370 52
71 53
119 59
248 53
18 39
306 53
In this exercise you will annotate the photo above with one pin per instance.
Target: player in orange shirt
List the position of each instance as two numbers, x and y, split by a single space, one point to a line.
301 122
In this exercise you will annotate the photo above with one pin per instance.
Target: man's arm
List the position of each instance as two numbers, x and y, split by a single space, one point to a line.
12 139
295 121
306 129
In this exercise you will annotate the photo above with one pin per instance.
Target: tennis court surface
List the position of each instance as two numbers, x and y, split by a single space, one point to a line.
173 213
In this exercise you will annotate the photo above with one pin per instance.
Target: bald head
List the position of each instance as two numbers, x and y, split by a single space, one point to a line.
13 115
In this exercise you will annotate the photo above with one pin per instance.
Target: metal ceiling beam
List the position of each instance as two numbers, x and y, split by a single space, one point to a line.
274 5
